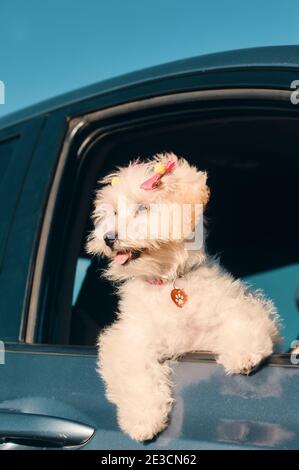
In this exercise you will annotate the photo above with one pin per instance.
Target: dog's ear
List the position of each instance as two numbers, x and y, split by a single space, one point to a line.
194 193
200 192
185 184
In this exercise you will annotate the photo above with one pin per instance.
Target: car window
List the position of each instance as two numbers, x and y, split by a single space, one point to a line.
81 270
17 145
253 172
6 151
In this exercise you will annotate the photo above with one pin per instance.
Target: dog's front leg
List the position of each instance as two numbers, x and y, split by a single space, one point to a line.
135 380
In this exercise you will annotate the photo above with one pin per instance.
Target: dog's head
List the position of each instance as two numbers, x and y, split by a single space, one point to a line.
146 214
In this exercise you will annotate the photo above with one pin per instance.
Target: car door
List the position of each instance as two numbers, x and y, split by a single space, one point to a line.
53 398
50 394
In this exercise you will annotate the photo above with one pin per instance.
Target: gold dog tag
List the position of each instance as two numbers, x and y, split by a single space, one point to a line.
179 297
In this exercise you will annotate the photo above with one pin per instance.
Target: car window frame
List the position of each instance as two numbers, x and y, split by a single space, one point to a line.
80 136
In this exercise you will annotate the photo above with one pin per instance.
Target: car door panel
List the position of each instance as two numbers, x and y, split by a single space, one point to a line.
212 410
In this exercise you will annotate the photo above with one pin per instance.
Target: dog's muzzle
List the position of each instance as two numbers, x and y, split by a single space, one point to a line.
109 238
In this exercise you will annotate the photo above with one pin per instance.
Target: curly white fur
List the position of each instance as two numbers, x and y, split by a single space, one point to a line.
222 315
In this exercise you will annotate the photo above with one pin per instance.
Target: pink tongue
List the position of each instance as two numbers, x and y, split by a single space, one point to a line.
121 258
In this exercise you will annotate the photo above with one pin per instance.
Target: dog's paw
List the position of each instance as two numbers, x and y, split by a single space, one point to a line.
143 425
142 431
242 363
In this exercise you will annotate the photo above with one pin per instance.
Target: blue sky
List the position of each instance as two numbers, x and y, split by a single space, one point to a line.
51 47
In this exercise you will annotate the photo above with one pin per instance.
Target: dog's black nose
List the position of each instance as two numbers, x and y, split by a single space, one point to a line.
109 238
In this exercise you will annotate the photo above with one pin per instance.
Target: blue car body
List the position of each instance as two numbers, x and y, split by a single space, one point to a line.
50 394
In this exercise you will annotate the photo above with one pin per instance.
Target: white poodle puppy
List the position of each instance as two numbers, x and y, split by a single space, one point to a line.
173 298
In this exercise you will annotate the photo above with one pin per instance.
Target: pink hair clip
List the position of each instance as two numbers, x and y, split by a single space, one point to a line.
159 171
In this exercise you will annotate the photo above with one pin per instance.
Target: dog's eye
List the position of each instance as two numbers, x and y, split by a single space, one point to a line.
142 208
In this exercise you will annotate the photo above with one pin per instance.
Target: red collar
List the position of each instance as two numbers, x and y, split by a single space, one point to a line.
156 282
